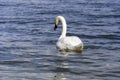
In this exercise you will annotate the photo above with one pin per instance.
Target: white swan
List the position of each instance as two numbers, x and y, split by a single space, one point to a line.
67 43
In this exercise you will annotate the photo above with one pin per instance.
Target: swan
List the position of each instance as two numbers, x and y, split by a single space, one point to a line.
67 43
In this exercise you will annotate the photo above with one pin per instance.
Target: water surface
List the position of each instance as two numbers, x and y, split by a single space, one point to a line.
27 40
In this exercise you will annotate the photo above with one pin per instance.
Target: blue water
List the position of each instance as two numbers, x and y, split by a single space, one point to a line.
28 40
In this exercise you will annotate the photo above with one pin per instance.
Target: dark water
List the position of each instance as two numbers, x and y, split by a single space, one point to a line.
27 40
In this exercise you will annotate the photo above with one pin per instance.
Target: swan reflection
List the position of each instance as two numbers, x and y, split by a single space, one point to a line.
61 68
62 65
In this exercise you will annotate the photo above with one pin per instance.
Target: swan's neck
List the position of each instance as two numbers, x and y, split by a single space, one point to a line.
64 28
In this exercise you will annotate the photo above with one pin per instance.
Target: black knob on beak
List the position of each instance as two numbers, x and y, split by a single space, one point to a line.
55 27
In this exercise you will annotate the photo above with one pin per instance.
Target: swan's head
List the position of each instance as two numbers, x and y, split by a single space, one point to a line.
58 20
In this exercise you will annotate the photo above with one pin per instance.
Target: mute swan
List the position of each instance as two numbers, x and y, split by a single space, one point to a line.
67 43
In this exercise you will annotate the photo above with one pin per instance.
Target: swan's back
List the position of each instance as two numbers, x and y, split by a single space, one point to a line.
70 43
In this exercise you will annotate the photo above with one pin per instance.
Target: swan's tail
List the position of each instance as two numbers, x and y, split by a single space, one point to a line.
79 48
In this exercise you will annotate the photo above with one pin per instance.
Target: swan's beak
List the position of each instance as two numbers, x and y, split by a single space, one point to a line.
55 27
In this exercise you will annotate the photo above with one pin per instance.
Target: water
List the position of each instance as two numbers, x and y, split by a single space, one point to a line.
27 40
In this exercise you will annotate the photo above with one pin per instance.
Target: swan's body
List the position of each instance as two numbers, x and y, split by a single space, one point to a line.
67 43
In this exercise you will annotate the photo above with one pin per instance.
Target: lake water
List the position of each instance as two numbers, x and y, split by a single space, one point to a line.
28 40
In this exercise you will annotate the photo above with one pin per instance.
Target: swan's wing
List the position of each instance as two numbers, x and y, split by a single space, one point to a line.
73 40
69 42
74 43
